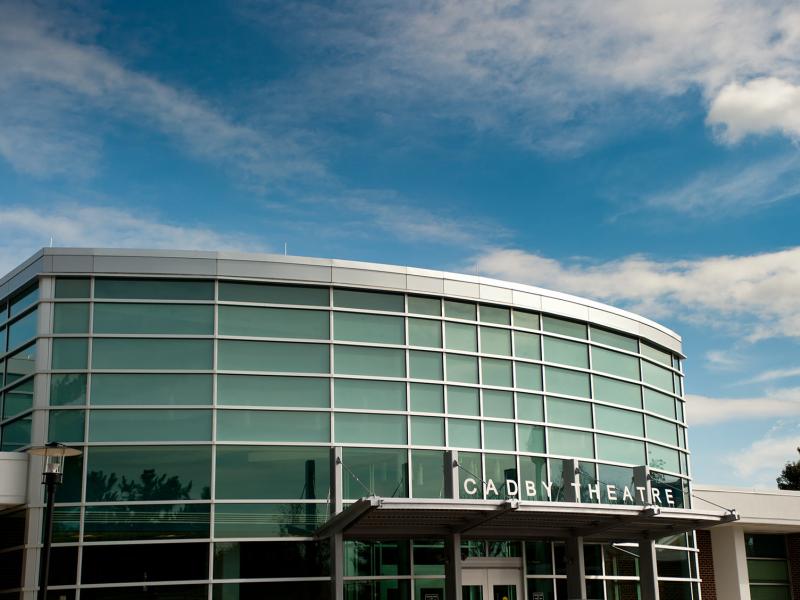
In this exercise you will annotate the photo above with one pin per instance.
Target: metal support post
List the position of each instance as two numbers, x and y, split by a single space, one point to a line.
452 567
576 569
643 492
452 480
51 480
648 570
337 540
571 480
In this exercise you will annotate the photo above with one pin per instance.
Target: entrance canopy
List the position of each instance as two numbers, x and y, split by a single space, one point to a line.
514 519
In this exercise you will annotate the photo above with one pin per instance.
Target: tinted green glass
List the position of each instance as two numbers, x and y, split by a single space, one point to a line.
425 365
659 403
619 421
499 468
469 468
66 524
564 327
615 363
609 338
427 474
620 450
425 332
72 288
377 558
69 353
529 376
565 352
71 317
620 478
462 368
66 426
570 443
657 376
569 412
370 428
111 425
562 381
67 388
151 388
498 436
617 392
530 407
257 560
183 319
463 401
679 412
18 399
153 289
539 561
421 305
665 358
495 341
22 363
527 345
662 431
131 473
498 404
531 438
111 353
273 294
380 362
525 319
273 426
369 300
767 571
254 321
427 397
273 472
369 394
495 314
463 433
496 372
662 458
146 522
72 486
378 329
22 300
677 384
380 471
22 330
252 390
427 431
281 357
459 336
460 310
268 520
15 434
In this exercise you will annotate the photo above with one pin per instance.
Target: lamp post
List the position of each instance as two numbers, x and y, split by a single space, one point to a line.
52 476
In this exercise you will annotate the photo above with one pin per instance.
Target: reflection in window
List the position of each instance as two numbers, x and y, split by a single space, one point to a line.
153 289
369 300
272 426
252 321
378 329
373 471
266 293
182 319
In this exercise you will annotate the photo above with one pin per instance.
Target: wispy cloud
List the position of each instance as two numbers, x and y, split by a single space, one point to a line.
773 375
763 459
723 360
705 410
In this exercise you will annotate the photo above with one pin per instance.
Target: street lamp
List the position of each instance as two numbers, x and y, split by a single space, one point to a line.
52 476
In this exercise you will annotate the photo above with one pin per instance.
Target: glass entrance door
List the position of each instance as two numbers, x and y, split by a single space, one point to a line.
491 584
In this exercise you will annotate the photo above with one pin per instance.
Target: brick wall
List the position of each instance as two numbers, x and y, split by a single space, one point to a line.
793 554
705 558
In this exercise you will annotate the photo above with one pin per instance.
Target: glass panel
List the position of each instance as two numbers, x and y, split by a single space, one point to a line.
425 332
525 319
252 321
673 563
421 305
762 545
617 392
620 450
659 403
562 381
66 524
427 397
569 412
370 429
23 300
268 520
425 365
499 469
273 472
146 522
72 317
378 329
369 300
504 592
427 431
67 388
66 426
381 472
529 376
663 458
184 319
617 485
70 489
15 434
763 571
21 364
69 353
530 407
495 314
255 560
427 477
22 330
603 336
565 352
463 401
495 341
619 421
496 372
670 487
564 327
287 357
533 469
462 368
538 559
296 590
380 362
464 433
498 404
662 431
153 289
252 390
72 288
469 467
459 336
143 389
657 376
273 426
527 345
615 363
460 310
570 443
111 425
665 358
376 558
498 436
531 438
369 394
273 294
136 473
109 353
18 399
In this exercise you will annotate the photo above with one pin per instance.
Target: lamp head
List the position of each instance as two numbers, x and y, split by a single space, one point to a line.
54 454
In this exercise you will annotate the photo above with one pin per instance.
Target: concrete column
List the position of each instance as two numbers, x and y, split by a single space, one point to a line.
576 569
336 540
642 486
648 570
452 567
452 488
730 563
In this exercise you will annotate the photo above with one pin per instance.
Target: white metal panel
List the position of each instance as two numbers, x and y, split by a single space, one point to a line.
13 478
526 300
273 270
418 283
565 308
67 263
466 289
155 265
495 294
381 279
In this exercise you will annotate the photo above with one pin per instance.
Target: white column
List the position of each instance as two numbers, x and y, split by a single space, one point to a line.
576 569
730 563
648 570
336 540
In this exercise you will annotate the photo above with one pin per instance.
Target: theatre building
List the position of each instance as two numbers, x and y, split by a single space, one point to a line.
270 427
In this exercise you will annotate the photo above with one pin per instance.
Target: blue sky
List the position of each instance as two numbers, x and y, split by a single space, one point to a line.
638 153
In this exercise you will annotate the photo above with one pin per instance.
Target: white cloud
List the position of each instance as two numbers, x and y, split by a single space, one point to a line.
773 375
723 360
704 410
764 458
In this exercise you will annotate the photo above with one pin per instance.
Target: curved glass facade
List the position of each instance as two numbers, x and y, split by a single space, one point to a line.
207 409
